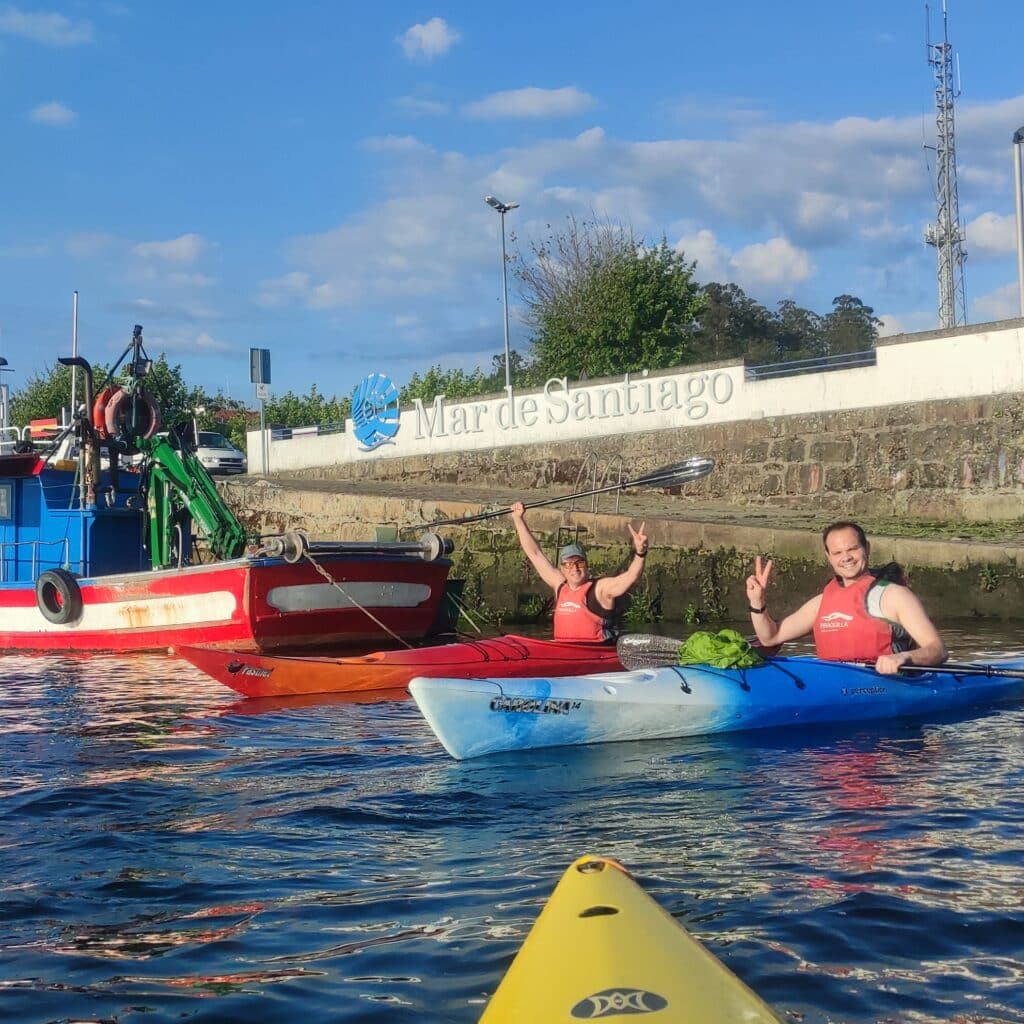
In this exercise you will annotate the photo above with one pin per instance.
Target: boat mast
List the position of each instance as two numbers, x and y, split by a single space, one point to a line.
74 352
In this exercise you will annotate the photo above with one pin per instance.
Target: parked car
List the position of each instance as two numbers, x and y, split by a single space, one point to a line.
218 454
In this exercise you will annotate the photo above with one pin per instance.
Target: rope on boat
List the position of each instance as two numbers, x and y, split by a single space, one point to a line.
341 590
464 611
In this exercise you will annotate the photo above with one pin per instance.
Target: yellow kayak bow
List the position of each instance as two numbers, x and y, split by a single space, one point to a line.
602 949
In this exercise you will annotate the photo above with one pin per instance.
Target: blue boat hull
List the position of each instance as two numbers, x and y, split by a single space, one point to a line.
484 716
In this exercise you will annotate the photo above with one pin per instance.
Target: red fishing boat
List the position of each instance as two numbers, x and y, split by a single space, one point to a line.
97 558
257 675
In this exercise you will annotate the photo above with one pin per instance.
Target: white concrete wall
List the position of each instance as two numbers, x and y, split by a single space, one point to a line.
965 363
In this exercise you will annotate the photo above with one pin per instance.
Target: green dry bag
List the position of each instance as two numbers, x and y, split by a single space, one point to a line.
724 649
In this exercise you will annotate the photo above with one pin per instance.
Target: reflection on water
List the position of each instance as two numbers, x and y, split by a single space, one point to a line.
168 851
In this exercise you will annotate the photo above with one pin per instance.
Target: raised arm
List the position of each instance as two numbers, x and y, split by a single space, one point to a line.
903 606
770 632
608 588
545 570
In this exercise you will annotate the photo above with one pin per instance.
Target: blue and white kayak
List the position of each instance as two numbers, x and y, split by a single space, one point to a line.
483 716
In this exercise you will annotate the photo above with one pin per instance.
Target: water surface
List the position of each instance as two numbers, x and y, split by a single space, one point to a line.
171 853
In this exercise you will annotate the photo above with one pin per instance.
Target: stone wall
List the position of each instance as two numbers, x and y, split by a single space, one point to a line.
695 571
945 460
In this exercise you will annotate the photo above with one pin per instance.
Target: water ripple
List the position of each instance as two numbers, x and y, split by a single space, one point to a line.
169 852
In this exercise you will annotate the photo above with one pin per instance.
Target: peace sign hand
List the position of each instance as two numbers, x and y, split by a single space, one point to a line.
757 584
639 538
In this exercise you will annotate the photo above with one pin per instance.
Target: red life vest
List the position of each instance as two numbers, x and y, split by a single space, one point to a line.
844 629
574 619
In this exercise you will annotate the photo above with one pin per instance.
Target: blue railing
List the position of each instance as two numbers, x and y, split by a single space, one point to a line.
820 364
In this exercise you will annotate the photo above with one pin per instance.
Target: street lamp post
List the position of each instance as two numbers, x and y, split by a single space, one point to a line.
503 208
1018 152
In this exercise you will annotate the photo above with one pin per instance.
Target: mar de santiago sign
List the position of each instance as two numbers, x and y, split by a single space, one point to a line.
562 403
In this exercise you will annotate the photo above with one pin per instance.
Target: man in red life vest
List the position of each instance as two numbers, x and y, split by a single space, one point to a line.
584 608
858 617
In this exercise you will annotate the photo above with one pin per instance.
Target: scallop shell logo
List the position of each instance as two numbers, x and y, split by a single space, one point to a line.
375 415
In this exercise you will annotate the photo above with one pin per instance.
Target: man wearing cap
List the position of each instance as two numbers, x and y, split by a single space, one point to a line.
584 608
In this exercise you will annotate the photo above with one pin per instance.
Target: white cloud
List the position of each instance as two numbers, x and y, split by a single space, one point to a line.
48 29
531 102
206 343
713 258
809 210
826 211
419 245
992 233
416 105
907 323
55 114
395 144
1001 304
186 340
702 108
429 40
89 245
185 249
280 291
776 262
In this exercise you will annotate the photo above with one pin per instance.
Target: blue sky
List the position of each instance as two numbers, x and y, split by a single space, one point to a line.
309 178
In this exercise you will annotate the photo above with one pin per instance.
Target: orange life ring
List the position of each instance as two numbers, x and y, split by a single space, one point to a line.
99 410
118 410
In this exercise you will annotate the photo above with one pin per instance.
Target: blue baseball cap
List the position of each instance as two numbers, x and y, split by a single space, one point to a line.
571 551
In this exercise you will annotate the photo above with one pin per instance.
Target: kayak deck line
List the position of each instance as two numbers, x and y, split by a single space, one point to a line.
602 947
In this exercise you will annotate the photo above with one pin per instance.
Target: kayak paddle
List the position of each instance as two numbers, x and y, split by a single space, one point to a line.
694 468
646 650
960 669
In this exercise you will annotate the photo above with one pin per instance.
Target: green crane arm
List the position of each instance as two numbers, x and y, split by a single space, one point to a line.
177 483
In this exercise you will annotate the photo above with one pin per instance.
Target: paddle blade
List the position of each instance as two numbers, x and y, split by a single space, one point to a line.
695 468
645 650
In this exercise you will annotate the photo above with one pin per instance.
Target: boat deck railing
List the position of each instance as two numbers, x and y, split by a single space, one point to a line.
9 556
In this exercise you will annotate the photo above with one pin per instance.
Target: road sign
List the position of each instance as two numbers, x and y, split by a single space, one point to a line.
262 390
259 365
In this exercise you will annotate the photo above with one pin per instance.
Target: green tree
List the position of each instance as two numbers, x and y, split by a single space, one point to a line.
850 327
44 395
175 399
732 325
228 416
291 410
601 303
798 332
453 384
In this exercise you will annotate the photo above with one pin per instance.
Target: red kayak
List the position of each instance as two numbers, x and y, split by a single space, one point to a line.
271 675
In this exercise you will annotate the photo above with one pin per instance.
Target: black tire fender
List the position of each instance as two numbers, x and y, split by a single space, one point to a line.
59 596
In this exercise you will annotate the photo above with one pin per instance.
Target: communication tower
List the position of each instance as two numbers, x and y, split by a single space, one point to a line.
946 233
